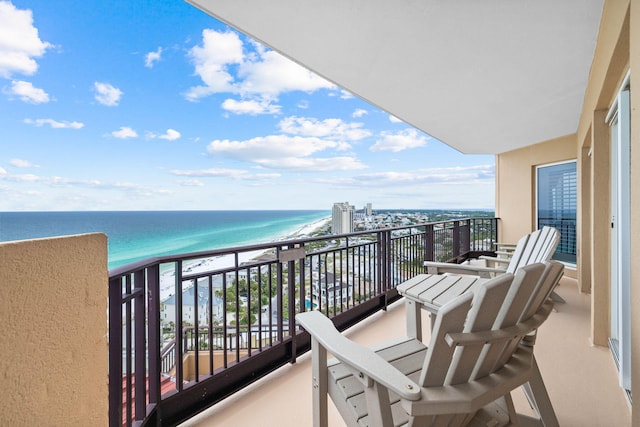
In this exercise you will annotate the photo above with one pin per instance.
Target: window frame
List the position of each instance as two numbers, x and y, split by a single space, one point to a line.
570 263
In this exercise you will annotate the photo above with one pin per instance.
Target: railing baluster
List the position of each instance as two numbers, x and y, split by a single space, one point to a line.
225 359
140 347
128 351
154 342
179 328
195 336
210 326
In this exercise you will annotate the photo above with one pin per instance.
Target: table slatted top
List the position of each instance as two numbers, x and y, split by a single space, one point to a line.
435 290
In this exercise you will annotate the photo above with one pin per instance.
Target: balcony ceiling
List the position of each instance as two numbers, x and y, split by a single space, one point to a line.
481 76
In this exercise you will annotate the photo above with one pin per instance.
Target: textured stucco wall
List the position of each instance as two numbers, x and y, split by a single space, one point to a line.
53 341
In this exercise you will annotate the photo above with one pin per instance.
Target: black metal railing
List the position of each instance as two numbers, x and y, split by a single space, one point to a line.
186 331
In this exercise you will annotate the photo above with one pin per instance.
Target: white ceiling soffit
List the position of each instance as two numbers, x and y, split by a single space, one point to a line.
481 76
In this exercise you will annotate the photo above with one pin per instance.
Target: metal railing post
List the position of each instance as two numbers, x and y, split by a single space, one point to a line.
115 351
153 304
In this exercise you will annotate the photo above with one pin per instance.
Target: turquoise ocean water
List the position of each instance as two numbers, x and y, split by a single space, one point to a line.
142 234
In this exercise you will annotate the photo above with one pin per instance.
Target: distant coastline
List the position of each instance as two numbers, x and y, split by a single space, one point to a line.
379 219
137 235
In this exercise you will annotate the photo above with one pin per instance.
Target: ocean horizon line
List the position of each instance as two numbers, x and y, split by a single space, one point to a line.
383 209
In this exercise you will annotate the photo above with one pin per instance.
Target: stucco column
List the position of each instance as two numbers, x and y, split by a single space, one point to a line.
584 218
53 348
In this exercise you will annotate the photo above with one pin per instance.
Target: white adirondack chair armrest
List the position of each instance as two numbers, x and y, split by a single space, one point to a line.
447 267
357 357
501 245
485 337
495 259
505 253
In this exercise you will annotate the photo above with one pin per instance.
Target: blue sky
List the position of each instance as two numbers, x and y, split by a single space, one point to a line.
137 105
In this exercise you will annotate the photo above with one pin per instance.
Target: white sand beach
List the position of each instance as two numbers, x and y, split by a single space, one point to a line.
167 278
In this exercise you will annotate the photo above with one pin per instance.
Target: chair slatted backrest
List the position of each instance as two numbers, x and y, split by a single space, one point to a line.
539 247
527 253
551 242
518 253
501 303
550 277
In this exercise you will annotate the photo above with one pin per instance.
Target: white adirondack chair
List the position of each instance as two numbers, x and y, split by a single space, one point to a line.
536 247
480 350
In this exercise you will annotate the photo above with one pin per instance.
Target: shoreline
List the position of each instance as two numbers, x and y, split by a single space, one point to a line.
167 278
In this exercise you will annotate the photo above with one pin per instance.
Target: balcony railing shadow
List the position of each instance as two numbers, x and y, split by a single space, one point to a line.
188 331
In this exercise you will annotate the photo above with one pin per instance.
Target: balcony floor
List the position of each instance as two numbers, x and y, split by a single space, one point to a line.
581 378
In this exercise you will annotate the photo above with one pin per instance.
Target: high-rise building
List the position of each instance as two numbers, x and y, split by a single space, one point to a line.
368 210
342 218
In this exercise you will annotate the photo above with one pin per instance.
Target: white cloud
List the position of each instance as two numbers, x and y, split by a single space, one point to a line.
394 119
251 107
271 74
170 135
344 94
209 173
191 183
106 94
58 181
20 163
55 124
239 174
19 41
152 57
266 175
359 113
27 177
309 164
3 171
28 93
212 60
39 192
124 132
328 128
462 175
286 152
260 75
270 146
398 141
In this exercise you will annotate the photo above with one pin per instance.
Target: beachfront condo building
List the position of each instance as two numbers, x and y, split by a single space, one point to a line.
534 83
342 218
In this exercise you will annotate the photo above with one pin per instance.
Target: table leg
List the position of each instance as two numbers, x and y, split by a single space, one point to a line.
414 319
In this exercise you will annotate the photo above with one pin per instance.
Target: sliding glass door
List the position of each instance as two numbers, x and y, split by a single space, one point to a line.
620 336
